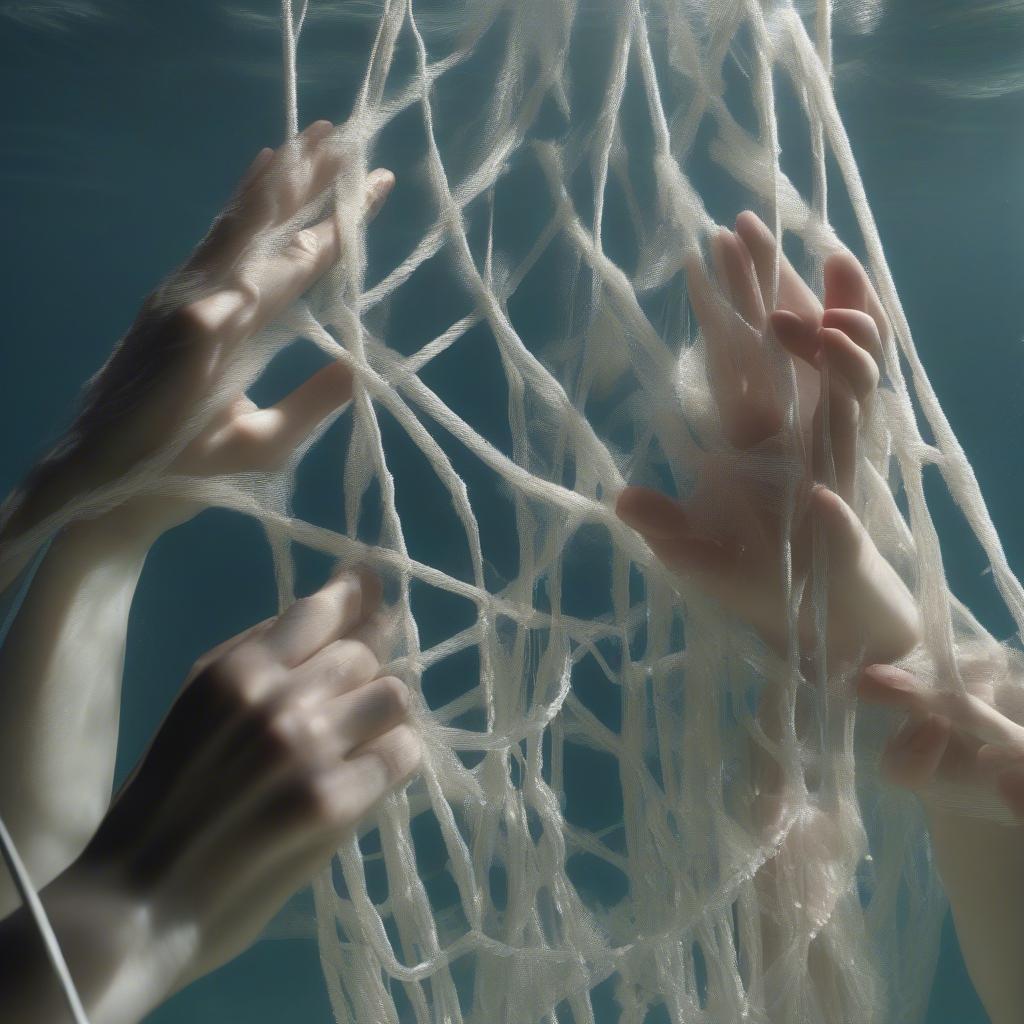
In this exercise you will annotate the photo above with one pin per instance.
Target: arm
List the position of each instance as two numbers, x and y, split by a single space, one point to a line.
61 670
961 739
61 663
981 864
280 742
871 614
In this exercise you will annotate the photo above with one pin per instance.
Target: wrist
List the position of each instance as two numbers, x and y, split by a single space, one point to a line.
109 939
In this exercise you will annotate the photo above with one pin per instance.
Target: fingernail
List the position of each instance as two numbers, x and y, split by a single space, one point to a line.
379 184
370 587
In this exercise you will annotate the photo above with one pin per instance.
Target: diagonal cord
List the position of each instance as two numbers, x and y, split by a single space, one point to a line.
27 891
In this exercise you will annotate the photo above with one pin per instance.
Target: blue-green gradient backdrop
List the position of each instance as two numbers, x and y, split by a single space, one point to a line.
124 126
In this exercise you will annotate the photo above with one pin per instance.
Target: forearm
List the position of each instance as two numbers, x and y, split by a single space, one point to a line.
981 864
122 961
60 691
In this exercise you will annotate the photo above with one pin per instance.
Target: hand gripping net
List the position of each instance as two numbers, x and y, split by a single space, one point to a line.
584 843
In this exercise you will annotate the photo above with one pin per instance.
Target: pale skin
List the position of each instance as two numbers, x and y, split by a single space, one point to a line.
726 540
300 735
320 738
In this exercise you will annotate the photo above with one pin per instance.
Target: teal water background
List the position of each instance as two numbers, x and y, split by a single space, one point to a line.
124 127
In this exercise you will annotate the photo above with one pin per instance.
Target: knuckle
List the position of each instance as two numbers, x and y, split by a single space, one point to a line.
306 243
223 677
196 318
254 429
328 600
283 732
249 290
229 223
241 678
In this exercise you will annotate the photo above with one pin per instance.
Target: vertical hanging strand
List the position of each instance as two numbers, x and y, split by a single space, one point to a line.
289 39
823 30
22 882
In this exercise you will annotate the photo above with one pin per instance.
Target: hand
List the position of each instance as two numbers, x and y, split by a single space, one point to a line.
180 357
728 537
280 742
948 737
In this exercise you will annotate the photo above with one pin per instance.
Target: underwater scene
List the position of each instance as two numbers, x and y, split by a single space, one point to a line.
531 318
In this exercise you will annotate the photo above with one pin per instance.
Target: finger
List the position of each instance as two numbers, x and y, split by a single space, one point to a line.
340 667
857 325
799 337
215 653
850 361
268 190
368 711
378 766
694 555
912 757
266 438
262 160
664 525
737 374
794 294
302 411
847 286
380 631
992 759
304 167
845 537
651 513
712 316
894 687
736 275
315 621
379 184
834 455
282 279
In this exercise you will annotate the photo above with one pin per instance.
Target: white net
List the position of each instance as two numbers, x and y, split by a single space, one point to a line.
588 840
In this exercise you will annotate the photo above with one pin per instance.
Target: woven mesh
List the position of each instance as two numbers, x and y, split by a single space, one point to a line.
584 842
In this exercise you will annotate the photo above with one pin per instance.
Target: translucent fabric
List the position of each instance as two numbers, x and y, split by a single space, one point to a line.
588 839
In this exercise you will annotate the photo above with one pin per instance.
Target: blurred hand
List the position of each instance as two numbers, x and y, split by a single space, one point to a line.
173 362
728 537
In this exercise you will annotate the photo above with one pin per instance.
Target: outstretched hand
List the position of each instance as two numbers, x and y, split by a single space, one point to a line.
728 538
254 263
